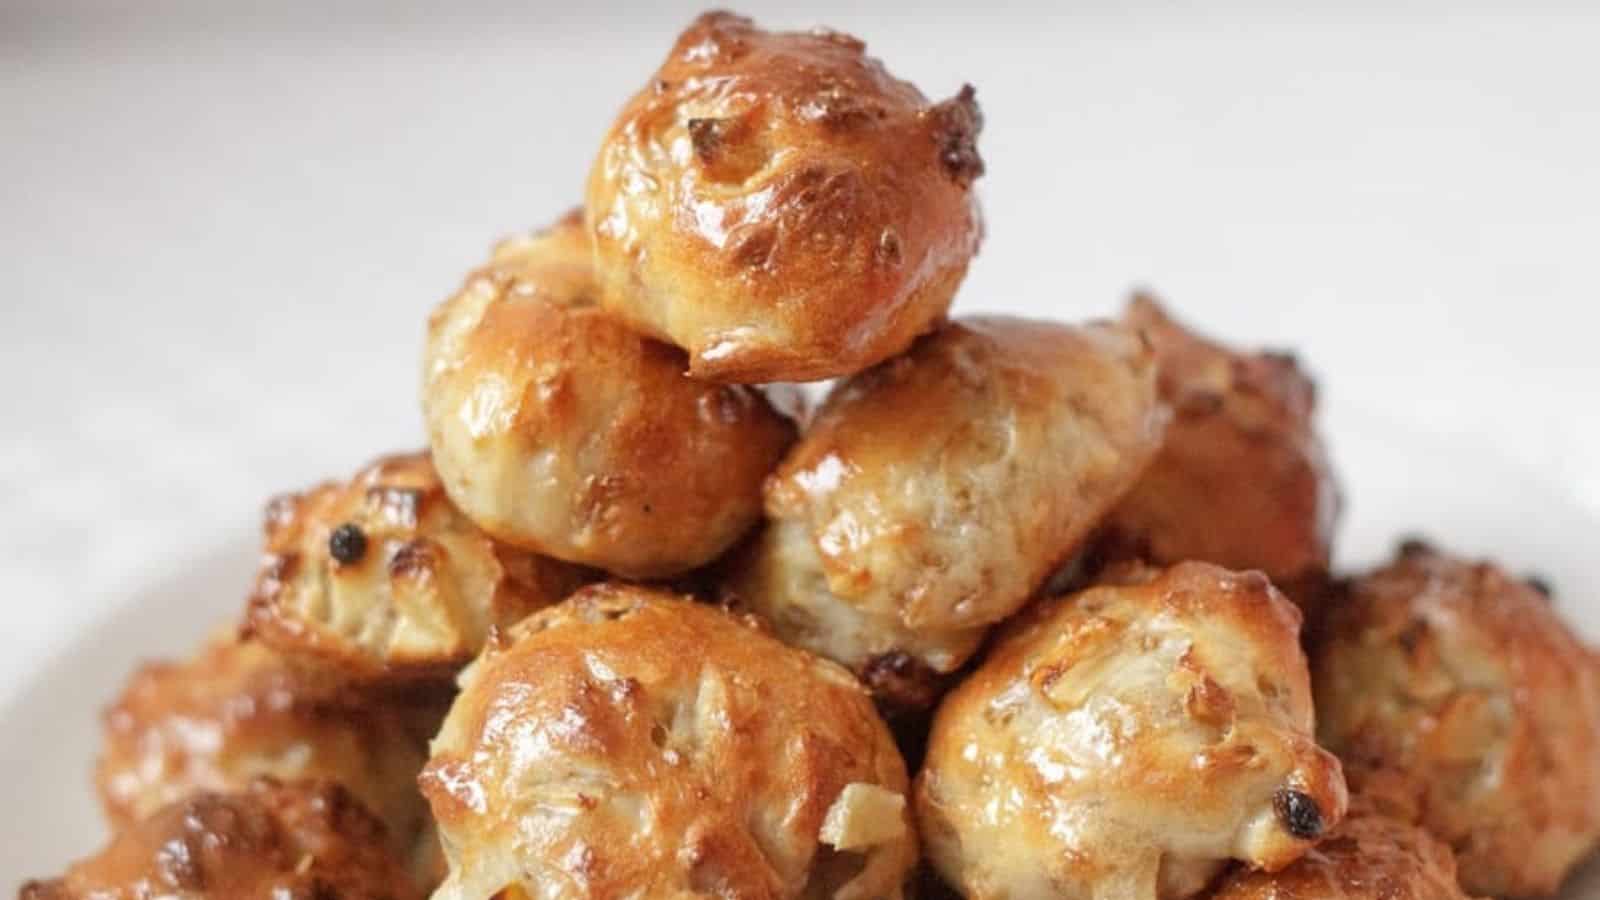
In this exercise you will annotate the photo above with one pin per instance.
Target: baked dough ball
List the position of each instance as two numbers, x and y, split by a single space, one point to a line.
1242 479
1126 741
781 577
932 495
383 578
781 206
237 710
1370 856
1462 683
266 841
630 742
557 429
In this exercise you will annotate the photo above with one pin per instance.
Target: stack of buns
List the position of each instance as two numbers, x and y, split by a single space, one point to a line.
1017 609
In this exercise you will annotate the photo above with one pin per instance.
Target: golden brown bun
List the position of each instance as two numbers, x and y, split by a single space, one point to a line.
932 495
1370 856
383 578
557 429
1242 479
632 743
265 841
1128 740
237 710
780 206
781 578
1461 684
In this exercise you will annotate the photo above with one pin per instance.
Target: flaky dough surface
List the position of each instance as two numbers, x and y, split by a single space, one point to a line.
781 206
383 578
559 430
629 742
932 495
1126 741
1461 685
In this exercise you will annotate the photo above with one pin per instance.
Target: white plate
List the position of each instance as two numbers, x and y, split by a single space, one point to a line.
1396 482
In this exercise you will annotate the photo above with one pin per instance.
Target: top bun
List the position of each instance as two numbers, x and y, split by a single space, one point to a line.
782 207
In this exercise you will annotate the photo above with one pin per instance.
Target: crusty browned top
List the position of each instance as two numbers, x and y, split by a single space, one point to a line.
558 429
267 841
1452 681
933 494
944 485
781 206
237 710
628 742
1140 734
382 578
1370 856
1242 479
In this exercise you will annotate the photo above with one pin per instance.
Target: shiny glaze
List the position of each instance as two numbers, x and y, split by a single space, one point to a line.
559 430
781 577
265 841
237 710
938 490
631 743
1243 479
1126 741
1450 681
422 597
780 206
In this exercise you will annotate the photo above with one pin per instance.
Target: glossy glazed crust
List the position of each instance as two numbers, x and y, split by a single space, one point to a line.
237 710
780 577
265 841
1242 479
419 599
559 430
1127 740
780 206
938 490
1368 857
630 742
1461 684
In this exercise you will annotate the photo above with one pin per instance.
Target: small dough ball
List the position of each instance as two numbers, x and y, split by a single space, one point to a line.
931 496
780 206
238 710
1370 856
557 429
383 578
265 841
630 742
781 577
1463 683
1242 479
1126 741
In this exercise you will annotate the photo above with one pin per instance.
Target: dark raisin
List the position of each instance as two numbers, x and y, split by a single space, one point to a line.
1298 813
348 543
900 681
706 136
957 122
1415 545
1542 585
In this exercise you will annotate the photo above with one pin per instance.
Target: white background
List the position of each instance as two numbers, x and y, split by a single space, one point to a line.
221 228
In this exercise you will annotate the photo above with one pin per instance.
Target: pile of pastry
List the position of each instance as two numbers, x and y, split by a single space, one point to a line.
1020 609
